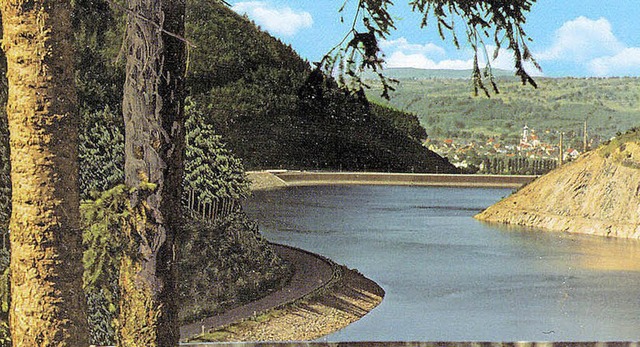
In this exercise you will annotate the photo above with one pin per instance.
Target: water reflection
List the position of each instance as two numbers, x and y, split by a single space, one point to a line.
607 255
588 252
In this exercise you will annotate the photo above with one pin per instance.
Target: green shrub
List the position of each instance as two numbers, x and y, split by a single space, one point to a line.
103 217
225 264
101 151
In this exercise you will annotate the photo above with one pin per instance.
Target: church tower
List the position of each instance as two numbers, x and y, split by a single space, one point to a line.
525 135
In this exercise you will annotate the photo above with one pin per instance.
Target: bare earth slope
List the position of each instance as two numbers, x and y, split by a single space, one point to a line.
598 194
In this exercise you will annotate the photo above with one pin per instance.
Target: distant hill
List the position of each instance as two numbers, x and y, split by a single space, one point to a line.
447 107
408 73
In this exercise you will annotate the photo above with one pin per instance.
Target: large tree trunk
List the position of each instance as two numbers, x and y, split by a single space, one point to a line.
47 300
154 149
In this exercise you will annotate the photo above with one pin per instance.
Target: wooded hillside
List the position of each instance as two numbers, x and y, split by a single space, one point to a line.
275 112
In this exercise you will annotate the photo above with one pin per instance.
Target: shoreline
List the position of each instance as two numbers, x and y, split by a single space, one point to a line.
338 301
323 298
340 298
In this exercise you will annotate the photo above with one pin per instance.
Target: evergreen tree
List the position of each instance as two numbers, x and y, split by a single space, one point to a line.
101 152
210 169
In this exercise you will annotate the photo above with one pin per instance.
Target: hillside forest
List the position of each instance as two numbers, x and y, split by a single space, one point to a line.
274 111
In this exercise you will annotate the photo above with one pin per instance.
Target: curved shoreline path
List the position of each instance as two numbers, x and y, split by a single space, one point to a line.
320 298
310 273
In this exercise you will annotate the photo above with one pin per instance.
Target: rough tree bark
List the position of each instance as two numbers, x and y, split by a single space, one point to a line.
154 149
47 301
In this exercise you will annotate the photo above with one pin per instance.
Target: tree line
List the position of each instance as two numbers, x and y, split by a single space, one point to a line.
517 166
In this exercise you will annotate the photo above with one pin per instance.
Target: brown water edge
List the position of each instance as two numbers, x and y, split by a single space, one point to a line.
323 297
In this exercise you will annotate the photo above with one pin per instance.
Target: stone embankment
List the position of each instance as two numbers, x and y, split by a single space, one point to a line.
598 194
265 180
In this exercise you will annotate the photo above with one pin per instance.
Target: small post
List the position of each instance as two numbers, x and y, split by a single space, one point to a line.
561 155
584 138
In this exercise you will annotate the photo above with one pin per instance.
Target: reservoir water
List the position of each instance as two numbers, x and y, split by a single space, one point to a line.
449 277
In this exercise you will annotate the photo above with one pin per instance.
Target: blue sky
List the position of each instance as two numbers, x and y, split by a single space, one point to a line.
570 37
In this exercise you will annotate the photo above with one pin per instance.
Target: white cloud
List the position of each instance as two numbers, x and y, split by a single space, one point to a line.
581 40
402 53
592 45
403 45
505 61
625 62
279 21
420 61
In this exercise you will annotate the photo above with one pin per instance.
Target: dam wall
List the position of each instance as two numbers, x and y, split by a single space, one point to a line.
306 178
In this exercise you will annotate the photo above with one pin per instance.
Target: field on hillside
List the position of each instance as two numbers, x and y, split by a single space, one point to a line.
446 106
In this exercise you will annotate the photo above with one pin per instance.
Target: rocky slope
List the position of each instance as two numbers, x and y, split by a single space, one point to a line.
597 194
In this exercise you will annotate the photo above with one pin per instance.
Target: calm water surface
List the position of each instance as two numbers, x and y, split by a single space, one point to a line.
449 277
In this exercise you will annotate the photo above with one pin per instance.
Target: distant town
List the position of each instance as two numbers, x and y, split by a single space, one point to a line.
531 153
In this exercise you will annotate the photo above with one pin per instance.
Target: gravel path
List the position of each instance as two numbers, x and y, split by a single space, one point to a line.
311 272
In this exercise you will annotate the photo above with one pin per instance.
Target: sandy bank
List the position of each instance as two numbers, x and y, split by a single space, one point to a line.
321 298
598 194
277 179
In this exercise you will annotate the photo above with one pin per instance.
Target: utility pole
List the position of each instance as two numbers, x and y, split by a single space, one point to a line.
584 137
561 154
